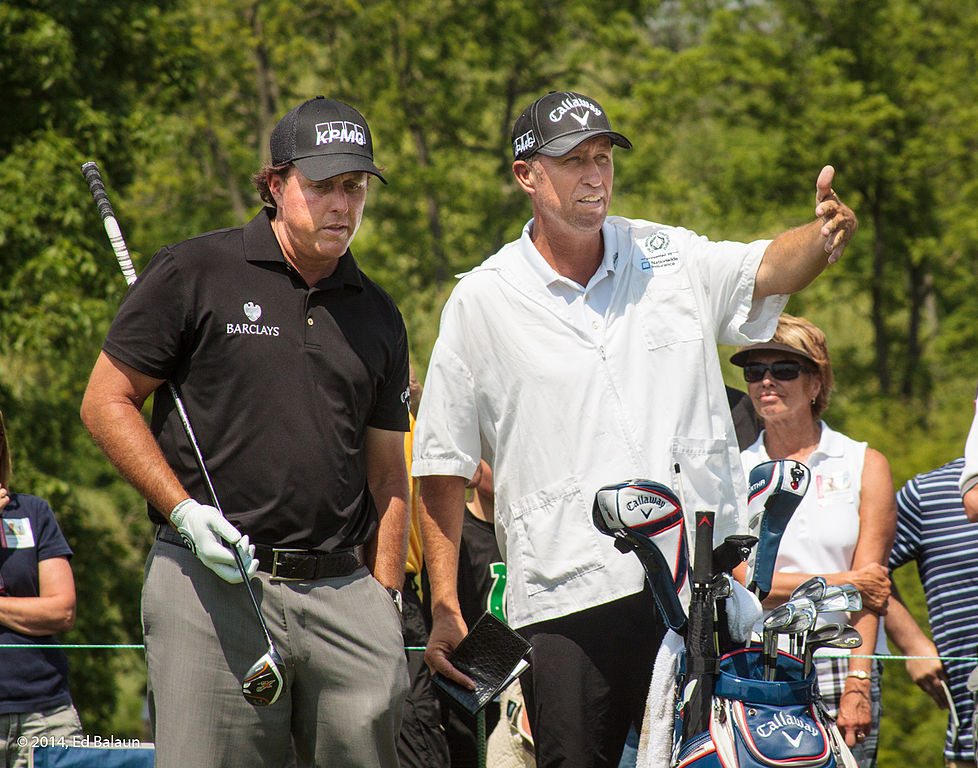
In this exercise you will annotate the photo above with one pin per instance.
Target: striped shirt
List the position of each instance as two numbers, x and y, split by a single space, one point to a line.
932 530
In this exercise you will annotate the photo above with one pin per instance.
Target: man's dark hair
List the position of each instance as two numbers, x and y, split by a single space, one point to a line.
260 180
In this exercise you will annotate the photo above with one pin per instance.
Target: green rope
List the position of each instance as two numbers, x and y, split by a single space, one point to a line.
70 646
824 654
480 736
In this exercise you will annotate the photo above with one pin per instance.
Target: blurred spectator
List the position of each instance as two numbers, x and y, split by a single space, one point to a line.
747 424
37 599
511 743
934 533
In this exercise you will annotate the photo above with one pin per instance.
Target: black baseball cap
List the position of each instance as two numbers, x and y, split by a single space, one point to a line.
322 138
556 123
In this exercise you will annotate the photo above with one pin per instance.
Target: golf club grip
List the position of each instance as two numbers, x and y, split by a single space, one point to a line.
94 178
703 552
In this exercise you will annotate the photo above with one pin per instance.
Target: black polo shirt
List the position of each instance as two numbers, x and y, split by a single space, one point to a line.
280 381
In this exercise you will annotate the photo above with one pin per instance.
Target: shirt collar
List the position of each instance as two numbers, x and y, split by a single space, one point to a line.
549 276
261 245
830 442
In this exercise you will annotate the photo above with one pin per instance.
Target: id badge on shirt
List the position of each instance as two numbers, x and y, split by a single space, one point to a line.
17 533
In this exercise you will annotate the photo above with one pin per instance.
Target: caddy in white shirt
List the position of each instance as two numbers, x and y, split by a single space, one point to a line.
582 355
564 389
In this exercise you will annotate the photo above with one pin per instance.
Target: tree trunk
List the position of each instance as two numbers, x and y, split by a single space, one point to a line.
878 297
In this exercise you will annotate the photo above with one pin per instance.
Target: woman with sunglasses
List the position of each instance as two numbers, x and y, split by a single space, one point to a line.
844 527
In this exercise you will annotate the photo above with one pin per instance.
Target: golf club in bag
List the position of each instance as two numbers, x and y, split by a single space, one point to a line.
264 681
700 661
645 517
775 489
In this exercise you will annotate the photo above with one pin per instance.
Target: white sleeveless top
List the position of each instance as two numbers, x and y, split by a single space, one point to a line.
822 534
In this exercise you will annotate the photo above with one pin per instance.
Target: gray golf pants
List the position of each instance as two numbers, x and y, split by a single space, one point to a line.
343 652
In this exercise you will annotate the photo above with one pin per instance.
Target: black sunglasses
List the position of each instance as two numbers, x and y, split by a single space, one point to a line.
782 370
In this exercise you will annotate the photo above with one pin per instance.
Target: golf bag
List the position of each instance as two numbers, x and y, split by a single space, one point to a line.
756 723
727 715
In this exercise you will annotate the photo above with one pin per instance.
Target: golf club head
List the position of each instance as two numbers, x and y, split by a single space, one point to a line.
848 638
836 598
817 638
722 586
803 617
646 517
779 617
813 588
855 598
775 490
830 636
264 681
797 629
825 631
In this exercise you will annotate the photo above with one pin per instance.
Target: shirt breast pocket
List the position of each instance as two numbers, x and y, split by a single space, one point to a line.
668 313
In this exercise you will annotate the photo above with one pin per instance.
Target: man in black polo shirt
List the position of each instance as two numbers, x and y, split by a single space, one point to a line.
293 367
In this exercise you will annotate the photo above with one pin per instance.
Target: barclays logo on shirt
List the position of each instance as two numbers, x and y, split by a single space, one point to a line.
252 313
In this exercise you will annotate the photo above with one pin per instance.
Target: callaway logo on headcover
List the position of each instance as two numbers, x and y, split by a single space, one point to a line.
641 502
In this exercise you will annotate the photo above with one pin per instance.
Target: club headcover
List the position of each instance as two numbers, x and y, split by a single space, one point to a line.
775 489
646 517
732 552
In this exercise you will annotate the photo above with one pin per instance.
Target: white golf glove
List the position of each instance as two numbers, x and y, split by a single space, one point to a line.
205 529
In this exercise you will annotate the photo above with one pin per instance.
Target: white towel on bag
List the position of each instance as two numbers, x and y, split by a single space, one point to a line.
655 741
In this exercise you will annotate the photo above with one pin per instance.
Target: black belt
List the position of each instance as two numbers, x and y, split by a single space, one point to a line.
296 564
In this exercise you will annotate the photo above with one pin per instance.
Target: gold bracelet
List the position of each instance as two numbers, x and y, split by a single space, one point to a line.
859 674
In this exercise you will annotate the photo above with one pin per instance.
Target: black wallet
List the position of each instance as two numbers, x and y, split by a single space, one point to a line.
491 655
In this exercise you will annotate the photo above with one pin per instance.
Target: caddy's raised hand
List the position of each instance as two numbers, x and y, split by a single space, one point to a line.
205 530
838 221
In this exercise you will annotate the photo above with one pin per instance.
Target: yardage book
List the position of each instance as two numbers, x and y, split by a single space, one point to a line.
492 655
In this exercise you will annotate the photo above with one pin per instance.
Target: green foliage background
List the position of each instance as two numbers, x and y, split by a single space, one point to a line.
733 107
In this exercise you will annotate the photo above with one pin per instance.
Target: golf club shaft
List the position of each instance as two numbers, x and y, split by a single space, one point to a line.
677 471
192 437
94 178
770 653
809 662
